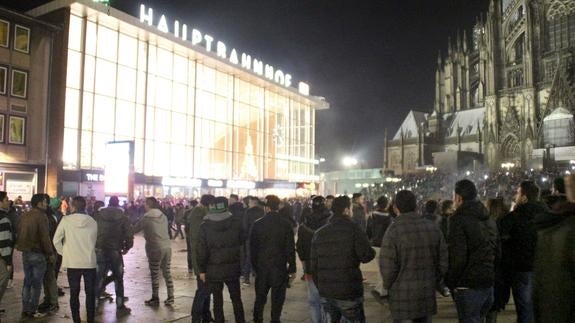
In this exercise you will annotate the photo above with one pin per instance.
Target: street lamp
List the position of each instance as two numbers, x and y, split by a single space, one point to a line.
349 161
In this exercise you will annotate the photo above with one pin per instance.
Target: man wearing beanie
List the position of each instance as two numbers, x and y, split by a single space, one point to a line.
219 254
272 252
337 250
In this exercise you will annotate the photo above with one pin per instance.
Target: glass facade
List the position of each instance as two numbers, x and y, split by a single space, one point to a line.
188 116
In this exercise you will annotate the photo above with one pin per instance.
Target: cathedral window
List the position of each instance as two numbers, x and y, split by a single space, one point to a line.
561 25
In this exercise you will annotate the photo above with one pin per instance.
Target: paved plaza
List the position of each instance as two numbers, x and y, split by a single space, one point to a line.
137 288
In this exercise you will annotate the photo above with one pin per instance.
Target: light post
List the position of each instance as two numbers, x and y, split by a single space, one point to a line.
349 161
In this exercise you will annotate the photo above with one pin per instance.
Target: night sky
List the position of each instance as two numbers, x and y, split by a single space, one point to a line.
372 60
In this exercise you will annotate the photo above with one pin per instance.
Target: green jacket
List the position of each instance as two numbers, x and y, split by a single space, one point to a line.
193 222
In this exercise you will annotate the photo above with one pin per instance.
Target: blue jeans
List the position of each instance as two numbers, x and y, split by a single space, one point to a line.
111 260
344 311
314 301
473 304
34 264
522 287
74 279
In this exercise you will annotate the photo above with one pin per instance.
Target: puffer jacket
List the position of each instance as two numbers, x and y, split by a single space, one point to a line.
473 247
114 229
554 265
337 250
305 235
220 240
519 237
155 227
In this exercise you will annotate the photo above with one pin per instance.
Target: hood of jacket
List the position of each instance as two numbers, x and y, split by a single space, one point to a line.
559 213
111 213
219 221
474 209
318 219
79 220
154 214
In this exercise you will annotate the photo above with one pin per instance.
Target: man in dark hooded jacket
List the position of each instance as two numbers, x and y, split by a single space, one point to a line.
554 262
115 238
518 239
219 257
473 248
319 217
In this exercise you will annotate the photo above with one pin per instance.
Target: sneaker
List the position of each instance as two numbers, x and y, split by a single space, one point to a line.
152 302
169 301
61 292
37 315
445 292
246 282
123 311
105 295
10 284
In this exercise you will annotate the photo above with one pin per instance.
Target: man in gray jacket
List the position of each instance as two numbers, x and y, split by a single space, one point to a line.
158 249
413 261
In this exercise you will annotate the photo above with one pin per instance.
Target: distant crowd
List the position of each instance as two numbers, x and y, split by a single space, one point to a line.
476 247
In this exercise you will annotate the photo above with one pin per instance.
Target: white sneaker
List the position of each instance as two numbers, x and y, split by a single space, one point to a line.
10 284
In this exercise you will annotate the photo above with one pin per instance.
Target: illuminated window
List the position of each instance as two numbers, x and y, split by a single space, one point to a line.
72 108
180 69
164 63
87 111
127 79
19 86
4 33
70 151
3 79
21 39
125 121
74 65
128 51
107 42
91 38
104 114
75 33
105 77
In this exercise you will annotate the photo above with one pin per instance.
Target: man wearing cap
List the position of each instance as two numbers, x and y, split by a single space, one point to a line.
272 251
115 238
219 257
158 249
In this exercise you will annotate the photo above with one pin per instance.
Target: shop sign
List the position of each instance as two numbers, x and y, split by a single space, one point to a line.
181 181
210 44
20 188
94 177
241 184
215 183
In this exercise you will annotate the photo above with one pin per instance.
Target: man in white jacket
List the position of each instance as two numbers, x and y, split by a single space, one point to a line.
75 240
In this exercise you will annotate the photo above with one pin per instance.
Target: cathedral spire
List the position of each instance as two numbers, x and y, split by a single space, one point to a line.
449 48
458 41
439 59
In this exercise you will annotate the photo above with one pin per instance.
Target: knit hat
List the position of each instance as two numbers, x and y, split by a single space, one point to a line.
219 205
55 203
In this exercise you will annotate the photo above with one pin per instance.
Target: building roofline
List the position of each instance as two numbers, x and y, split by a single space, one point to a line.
319 103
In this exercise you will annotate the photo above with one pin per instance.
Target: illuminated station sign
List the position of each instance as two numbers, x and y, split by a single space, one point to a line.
196 37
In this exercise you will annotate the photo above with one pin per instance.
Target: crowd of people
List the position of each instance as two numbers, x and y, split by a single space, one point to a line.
477 247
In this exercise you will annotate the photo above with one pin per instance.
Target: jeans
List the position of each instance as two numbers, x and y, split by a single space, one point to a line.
346 311
473 304
34 264
314 301
234 289
522 287
4 277
160 260
74 278
201 304
263 287
50 285
179 230
111 260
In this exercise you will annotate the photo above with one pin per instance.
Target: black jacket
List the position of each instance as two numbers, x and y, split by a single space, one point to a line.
305 235
473 247
377 224
252 215
238 211
114 229
272 249
337 250
519 237
220 240
554 265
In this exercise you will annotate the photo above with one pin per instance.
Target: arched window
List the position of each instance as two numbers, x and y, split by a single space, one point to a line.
561 25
